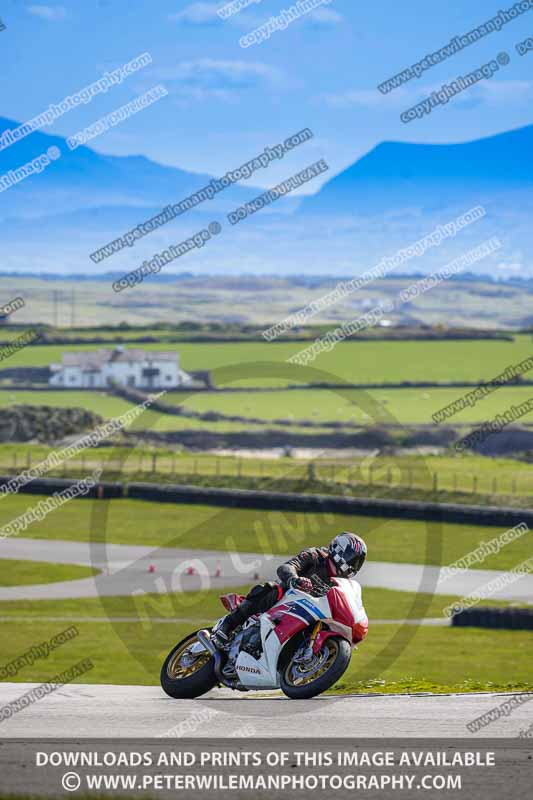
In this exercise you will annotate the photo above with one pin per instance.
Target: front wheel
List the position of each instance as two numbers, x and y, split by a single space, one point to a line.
303 680
185 675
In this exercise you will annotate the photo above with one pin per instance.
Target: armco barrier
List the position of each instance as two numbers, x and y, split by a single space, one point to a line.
516 619
245 498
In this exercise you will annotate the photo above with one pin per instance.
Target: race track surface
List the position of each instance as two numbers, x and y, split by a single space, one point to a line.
93 711
125 568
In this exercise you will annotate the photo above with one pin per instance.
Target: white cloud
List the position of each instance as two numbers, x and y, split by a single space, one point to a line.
51 13
504 93
197 14
326 16
368 98
204 76
493 94
507 267
188 95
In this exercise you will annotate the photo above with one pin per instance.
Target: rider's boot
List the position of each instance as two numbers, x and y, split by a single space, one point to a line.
222 633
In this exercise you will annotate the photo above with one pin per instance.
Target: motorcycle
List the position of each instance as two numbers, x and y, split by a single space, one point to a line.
303 645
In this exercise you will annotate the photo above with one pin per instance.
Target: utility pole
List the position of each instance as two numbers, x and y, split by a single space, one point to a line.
72 308
56 301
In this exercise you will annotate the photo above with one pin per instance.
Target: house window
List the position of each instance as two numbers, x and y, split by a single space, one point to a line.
168 377
72 379
131 380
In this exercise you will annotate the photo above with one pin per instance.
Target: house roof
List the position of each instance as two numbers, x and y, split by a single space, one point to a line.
96 359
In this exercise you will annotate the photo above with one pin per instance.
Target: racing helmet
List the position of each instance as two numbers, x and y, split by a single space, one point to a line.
348 553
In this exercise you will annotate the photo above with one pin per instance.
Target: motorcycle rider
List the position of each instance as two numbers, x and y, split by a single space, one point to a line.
343 558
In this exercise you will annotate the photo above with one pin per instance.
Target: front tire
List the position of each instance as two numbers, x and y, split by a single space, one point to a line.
184 679
303 681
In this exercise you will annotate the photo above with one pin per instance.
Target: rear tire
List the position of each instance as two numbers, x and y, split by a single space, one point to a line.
184 682
331 664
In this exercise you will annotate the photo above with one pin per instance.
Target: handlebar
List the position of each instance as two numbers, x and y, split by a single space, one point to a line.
320 587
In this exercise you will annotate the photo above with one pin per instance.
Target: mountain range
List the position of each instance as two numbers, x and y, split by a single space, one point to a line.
395 194
396 174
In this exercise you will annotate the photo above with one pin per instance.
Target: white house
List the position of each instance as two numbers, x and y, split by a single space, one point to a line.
98 369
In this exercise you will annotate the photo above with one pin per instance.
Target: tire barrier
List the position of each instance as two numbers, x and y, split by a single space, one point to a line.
48 486
514 619
246 498
369 507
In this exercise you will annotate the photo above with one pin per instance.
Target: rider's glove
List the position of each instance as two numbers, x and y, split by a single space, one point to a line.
303 584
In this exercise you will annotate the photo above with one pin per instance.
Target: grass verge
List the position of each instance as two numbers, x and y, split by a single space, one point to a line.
394 657
23 573
128 521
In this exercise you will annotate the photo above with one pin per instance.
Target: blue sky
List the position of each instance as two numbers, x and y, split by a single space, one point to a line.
226 103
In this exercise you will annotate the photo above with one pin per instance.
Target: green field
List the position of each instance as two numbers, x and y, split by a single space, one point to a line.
22 573
355 361
406 406
99 402
392 658
248 530
205 607
108 407
362 409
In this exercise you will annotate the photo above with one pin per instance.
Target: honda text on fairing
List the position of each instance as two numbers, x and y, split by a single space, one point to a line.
303 645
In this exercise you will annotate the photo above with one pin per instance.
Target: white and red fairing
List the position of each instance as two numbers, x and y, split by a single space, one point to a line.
341 611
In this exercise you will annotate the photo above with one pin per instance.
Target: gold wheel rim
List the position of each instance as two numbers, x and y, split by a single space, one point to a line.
306 678
177 671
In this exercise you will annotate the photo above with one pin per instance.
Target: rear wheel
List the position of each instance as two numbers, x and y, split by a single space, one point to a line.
302 680
185 675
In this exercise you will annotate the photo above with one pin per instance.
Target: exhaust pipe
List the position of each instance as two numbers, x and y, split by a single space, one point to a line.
205 639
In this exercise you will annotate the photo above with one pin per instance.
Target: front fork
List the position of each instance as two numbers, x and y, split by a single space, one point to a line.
321 638
314 634
310 650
